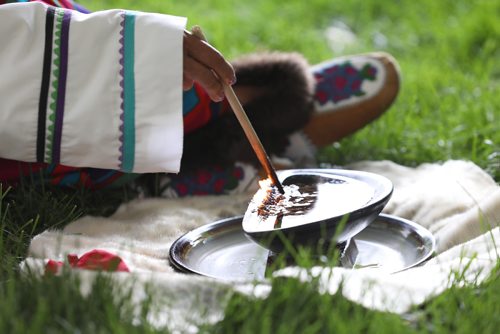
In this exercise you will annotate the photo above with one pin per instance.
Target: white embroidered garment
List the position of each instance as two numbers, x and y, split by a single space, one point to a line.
91 90
456 200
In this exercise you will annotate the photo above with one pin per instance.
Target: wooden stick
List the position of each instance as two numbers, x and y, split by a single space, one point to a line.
245 123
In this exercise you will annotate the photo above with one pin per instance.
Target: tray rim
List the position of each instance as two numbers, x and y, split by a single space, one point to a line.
426 236
198 232
421 231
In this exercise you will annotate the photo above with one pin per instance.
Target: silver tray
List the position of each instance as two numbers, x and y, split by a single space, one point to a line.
222 250
355 199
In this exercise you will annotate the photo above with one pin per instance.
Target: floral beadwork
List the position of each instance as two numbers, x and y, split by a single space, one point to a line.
216 180
342 81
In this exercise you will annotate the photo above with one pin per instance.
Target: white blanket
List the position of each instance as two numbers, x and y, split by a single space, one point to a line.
457 201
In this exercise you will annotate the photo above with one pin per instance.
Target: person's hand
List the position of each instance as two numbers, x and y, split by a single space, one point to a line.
205 65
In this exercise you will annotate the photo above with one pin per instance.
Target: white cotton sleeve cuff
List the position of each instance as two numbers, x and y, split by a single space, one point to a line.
21 60
92 113
93 106
159 123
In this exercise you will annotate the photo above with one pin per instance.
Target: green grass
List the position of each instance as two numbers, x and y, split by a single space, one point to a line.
448 108
54 304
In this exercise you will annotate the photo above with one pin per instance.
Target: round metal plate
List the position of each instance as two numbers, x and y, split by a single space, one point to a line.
354 200
222 250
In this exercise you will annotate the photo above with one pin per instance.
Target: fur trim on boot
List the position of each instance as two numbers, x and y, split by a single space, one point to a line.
283 105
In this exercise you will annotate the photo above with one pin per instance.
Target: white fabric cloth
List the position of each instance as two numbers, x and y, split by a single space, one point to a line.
91 123
456 200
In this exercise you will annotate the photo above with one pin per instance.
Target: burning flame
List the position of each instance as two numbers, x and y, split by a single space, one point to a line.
270 202
267 198
266 184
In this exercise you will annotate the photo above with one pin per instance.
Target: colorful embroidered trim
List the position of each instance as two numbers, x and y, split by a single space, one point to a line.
61 89
127 84
55 83
198 109
59 73
205 181
342 81
44 90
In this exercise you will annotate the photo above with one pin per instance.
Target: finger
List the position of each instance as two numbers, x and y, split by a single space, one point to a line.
207 55
203 75
187 82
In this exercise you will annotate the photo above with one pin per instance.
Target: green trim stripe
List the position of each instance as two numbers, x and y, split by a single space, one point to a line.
59 14
129 93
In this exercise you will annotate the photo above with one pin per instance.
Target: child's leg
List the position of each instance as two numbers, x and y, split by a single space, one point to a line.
287 106
350 92
296 108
